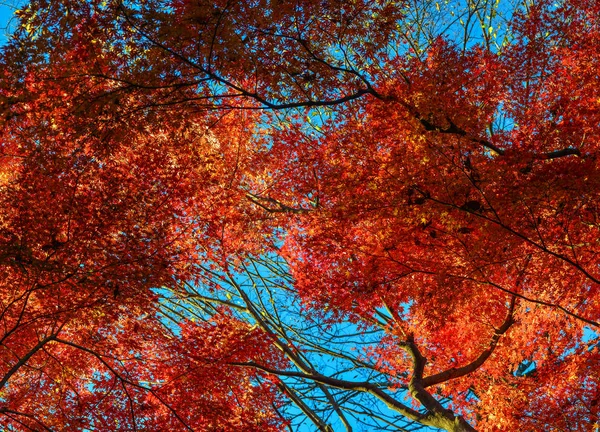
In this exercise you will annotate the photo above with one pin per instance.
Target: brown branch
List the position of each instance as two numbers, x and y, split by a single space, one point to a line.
415 385
437 416
521 236
123 379
278 206
266 104
540 302
364 386
456 130
318 422
453 129
7 411
475 364
561 153
25 358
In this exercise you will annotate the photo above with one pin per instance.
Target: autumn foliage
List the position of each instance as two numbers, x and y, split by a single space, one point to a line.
427 173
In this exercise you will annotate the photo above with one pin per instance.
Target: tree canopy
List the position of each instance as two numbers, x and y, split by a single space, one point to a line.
264 215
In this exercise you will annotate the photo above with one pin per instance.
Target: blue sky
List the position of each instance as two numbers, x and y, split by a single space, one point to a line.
6 13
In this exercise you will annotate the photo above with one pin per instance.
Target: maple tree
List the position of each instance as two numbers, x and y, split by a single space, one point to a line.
213 211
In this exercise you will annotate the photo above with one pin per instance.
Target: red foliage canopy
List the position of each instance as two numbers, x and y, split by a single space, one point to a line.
449 184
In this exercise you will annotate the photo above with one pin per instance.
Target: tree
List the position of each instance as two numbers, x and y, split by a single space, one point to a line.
421 174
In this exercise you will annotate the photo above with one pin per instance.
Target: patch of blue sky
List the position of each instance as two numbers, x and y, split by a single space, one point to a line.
7 19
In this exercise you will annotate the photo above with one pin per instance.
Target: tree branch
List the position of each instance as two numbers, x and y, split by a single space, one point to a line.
437 416
475 364
364 386
318 422
123 379
25 358
456 130
266 104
